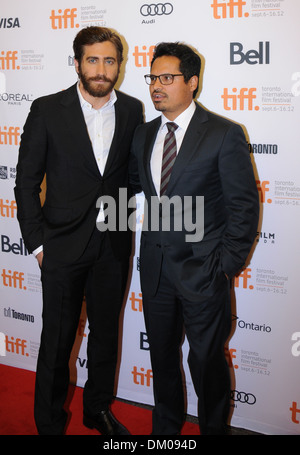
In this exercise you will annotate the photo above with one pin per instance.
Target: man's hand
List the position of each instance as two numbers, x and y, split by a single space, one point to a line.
39 257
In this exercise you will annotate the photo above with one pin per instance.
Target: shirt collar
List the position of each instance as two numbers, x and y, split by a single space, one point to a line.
183 119
84 103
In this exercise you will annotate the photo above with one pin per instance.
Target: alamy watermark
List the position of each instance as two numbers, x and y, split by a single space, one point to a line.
165 214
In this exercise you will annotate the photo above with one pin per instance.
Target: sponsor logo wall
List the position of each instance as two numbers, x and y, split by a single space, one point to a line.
251 74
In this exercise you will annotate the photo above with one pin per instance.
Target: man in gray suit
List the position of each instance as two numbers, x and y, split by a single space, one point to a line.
186 274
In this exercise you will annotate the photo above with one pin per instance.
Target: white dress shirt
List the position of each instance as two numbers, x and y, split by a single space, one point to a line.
182 121
101 127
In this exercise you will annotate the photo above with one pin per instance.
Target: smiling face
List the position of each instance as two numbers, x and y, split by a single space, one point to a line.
171 99
98 72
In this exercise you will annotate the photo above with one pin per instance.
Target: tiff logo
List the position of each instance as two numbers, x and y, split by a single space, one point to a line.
9 136
17 346
244 276
13 279
239 101
8 209
143 58
262 187
63 18
8 60
136 302
230 355
294 410
141 378
224 9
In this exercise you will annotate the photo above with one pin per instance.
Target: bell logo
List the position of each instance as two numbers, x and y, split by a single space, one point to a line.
252 57
8 60
15 248
144 343
143 58
242 100
262 187
63 18
244 275
224 9
141 378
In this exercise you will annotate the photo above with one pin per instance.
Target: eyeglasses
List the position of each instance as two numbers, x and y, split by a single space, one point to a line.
164 79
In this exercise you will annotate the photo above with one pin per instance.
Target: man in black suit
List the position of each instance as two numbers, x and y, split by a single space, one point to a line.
80 139
186 268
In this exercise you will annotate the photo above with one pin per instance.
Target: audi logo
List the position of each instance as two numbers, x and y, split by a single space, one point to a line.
158 9
243 397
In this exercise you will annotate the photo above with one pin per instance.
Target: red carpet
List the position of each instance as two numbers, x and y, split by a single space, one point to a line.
16 403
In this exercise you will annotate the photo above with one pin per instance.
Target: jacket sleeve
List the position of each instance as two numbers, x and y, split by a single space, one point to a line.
136 150
30 174
241 200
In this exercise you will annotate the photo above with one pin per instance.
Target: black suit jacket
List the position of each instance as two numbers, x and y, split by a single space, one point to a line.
55 142
213 162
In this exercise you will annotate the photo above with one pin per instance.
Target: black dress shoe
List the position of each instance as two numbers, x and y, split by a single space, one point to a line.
105 423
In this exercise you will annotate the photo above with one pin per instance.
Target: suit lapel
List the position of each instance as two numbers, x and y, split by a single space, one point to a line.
75 121
121 116
149 144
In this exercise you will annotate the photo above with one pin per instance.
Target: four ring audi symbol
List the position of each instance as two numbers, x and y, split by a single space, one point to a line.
243 397
158 9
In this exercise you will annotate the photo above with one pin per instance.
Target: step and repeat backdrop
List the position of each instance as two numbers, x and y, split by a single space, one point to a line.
251 75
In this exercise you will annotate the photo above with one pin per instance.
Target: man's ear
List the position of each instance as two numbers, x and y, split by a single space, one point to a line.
76 65
193 82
